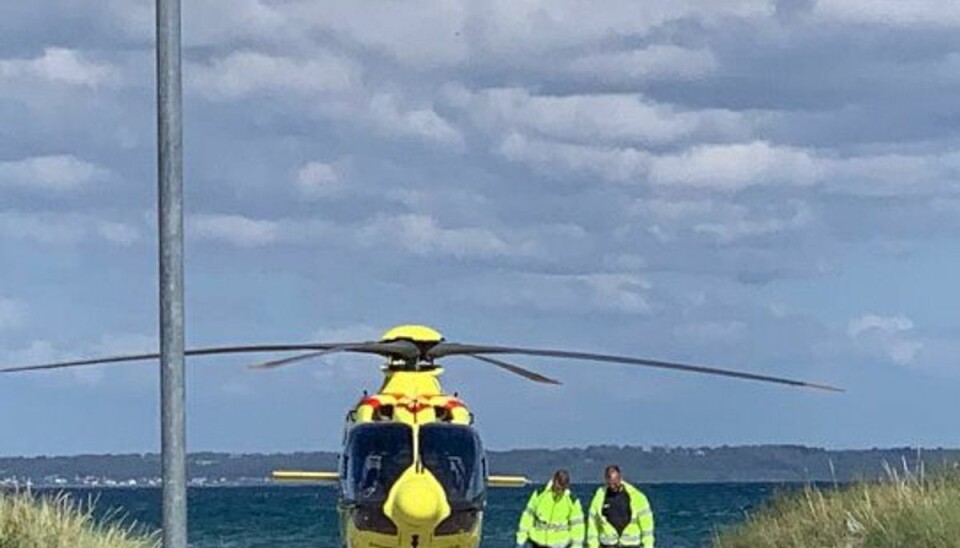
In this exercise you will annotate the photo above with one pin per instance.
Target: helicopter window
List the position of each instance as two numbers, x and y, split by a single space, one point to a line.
383 413
374 457
454 455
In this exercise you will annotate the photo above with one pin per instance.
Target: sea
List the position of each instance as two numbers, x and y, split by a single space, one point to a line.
687 515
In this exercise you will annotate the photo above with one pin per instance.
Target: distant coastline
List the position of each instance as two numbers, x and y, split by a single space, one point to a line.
737 464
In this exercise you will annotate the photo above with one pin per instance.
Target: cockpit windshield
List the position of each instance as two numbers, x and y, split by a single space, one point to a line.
374 458
454 455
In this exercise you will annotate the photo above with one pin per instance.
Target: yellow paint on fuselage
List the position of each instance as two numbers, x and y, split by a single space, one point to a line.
412 398
417 504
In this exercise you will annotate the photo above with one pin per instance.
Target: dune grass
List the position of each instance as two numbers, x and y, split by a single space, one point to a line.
31 521
904 510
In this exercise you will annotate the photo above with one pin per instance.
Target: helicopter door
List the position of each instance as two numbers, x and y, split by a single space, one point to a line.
374 458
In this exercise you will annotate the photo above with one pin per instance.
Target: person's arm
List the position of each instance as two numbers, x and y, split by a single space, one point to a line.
576 525
526 520
593 524
644 519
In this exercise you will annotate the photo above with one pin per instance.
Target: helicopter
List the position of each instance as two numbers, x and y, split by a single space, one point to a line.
412 471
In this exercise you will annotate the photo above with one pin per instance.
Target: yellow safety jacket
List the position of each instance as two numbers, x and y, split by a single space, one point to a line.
639 532
551 521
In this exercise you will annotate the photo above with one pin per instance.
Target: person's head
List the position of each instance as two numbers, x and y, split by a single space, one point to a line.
613 478
561 481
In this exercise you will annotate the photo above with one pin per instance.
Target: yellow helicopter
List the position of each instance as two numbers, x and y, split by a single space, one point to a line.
413 472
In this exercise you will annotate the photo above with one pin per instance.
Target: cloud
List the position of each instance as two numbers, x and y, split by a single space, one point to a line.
55 228
736 166
415 234
118 233
49 173
233 229
318 180
243 73
889 336
335 79
653 63
36 352
895 174
388 116
59 66
578 294
923 13
735 229
728 167
880 324
12 313
617 164
512 29
423 235
125 343
597 118
542 163
423 34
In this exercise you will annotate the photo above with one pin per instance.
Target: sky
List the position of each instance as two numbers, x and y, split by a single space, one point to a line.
767 186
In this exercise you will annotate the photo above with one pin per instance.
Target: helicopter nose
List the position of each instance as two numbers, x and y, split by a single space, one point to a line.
418 502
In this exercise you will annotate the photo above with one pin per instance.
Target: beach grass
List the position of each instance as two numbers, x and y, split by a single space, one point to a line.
29 520
906 509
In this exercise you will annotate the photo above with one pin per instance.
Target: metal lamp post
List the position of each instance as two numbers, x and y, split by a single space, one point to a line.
170 220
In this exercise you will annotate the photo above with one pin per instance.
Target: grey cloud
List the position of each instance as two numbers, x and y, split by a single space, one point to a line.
318 180
597 119
579 294
417 234
54 228
243 73
736 166
386 115
234 229
618 164
889 336
62 173
662 62
57 66
923 13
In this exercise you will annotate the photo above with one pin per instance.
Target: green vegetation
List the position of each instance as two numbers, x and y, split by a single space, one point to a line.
902 510
28 521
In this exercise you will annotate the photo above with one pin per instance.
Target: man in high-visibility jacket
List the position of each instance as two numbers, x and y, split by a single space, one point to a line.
553 517
620 514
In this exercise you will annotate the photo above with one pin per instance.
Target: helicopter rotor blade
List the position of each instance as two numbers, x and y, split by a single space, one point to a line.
403 349
454 349
273 364
516 369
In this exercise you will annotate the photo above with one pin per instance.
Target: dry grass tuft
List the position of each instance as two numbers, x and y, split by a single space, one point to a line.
906 509
31 521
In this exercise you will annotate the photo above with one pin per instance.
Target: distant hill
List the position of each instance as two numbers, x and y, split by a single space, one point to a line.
773 463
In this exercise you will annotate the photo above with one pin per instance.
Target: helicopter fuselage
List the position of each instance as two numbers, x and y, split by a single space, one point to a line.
412 471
